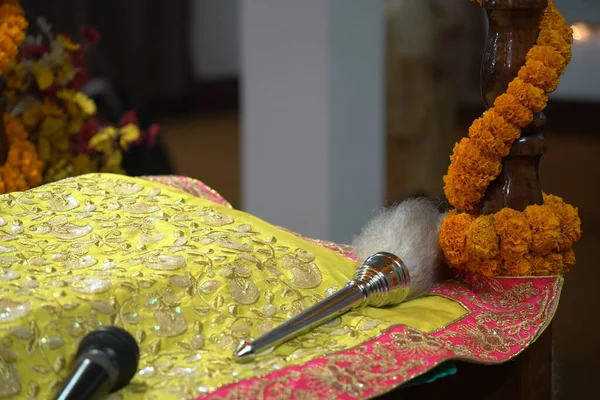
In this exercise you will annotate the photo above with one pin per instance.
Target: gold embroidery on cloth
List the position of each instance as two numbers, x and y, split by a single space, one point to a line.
183 275
380 367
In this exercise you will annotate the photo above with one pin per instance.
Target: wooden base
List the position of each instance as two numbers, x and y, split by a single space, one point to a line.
527 377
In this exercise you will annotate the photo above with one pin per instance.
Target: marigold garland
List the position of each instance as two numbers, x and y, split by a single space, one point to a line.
515 243
23 168
538 240
12 31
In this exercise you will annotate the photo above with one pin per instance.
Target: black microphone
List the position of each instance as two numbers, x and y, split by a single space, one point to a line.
107 359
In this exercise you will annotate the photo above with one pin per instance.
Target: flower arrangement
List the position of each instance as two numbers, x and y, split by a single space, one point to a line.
43 94
538 240
21 167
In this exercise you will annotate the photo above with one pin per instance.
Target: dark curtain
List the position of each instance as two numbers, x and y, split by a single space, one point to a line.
144 50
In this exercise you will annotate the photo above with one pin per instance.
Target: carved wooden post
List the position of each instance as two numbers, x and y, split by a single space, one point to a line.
513 30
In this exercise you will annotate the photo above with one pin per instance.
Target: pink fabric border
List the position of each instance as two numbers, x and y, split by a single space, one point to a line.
505 316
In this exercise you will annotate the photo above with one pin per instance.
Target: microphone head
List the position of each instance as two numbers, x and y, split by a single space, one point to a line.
119 346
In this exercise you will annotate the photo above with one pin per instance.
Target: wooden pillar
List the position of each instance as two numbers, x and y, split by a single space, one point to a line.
513 30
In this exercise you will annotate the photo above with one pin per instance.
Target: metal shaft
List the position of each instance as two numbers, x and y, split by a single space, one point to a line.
350 296
381 280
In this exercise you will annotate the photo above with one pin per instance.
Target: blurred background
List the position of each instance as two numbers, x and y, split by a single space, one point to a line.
313 114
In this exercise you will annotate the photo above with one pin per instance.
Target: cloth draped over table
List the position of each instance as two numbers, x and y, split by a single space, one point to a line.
170 261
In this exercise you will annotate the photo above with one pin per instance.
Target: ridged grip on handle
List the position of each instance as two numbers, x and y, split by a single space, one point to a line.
384 280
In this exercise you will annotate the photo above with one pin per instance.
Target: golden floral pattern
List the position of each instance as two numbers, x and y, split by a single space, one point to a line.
186 276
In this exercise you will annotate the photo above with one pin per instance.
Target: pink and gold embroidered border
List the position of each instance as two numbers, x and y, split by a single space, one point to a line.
190 186
505 315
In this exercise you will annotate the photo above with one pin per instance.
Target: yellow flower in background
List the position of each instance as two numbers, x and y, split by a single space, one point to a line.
87 105
75 125
43 76
66 94
113 162
44 149
129 134
66 73
52 126
67 43
51 109
32 116
68 97
103 140
61 142
82 164
17 79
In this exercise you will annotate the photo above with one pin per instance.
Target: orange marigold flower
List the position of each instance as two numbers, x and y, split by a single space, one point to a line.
15 131
545 228
553 20
515 234
530 96
512 110
570 224
468 157
569 261
555 39
463 189
500 127
486 140
482 242
536 73
11 32
556 262
549 57
453 237
488 267
541 265
517 267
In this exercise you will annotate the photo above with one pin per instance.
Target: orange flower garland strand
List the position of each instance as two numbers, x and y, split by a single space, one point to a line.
23 168
492 135
12 31
538 240
534 242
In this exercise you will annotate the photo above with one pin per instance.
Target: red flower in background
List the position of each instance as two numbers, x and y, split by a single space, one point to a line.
91 35
128 118
32 51
148 137
88 130
152 134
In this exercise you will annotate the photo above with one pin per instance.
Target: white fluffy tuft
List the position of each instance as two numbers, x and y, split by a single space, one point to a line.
409 230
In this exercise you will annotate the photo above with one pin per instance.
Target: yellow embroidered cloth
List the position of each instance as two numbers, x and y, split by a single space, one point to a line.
187 276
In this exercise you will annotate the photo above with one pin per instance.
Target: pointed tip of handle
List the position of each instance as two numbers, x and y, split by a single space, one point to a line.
243 352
